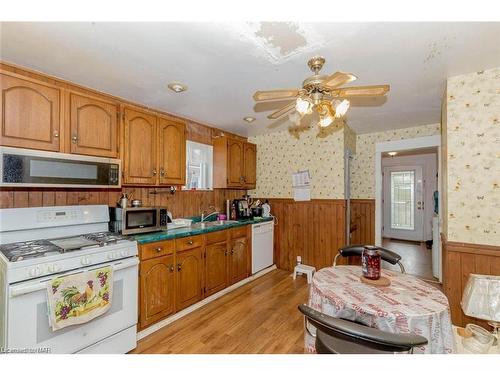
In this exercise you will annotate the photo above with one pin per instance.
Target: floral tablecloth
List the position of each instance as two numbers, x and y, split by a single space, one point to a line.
407 305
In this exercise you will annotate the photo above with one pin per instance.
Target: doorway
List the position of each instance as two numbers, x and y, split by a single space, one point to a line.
407 205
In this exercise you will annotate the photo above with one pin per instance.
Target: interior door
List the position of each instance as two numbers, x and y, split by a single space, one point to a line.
172 152
403 188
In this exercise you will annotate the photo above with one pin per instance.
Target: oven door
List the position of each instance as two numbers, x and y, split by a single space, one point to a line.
28 323
140 220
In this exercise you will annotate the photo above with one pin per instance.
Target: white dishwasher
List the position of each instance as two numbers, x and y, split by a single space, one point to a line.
262 245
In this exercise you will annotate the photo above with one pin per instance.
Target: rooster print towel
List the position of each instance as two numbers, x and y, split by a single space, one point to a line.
79 298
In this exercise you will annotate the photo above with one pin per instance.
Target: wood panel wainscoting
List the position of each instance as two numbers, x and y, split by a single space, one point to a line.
363 221
314 229
460 260
181 204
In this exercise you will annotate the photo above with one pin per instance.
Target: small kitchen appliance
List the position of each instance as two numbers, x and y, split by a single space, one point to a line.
38 244
135 220
243 211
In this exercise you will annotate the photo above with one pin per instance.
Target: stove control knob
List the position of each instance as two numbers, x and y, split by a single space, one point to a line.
85 261
53 268
111 256
35 271
124 253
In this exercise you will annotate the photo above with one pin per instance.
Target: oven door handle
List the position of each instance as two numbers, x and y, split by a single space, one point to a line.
20 290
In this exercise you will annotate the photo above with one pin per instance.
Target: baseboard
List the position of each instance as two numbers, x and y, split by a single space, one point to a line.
155 327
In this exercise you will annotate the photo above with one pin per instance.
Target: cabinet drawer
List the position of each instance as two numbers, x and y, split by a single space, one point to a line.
239 232
188 242
156 249
214 237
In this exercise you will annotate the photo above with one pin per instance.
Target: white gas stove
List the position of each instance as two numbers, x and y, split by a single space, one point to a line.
38 244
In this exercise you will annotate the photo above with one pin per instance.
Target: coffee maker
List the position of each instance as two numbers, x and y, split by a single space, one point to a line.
243 211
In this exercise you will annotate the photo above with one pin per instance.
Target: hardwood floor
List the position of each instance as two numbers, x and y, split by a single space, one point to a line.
259 317
416 258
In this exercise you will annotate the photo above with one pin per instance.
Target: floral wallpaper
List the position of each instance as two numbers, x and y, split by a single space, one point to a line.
349 139
281 153
363 163
473 157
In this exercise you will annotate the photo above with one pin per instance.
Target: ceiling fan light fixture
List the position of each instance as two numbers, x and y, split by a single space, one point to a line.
326 114
303 106
325 121
341 107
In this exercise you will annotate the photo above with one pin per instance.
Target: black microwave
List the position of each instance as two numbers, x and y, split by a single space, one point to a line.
135 220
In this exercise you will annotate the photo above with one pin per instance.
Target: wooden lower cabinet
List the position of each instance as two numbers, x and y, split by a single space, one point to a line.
189 277
157 289
215 268
175 274
237 260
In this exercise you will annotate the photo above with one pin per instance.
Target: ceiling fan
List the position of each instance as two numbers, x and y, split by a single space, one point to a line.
321 93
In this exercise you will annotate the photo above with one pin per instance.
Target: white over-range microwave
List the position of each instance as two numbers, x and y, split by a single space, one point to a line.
33 168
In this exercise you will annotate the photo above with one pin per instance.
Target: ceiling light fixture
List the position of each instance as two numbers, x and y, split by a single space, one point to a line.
249 119
341 107
392 153
177 87
303 106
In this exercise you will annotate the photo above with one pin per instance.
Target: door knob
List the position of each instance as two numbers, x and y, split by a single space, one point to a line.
190 242
162 172
158 249
74 138
179 267
154 172
171 267
56 134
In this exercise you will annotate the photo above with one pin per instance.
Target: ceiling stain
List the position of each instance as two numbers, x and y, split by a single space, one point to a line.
284 36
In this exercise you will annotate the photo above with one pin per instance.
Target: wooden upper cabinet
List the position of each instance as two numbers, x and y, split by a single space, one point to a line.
157 289
189 277
30 114
172 152
250 165
93 126
215 268
235 165
140 158
238 260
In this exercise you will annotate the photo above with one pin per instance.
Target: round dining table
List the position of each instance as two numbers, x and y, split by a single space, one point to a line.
407 305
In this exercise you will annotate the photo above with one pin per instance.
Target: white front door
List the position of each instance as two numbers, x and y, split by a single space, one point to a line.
403 203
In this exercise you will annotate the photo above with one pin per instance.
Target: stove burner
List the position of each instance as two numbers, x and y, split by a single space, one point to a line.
19 251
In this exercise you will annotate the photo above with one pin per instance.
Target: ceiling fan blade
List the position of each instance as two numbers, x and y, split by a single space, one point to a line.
338 79
280 112
376 90
275 94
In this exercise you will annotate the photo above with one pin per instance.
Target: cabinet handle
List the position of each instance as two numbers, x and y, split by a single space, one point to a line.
56 134
158 249
74 138
162 172
154 172
179 267
225 253
171 267
190 242
232 252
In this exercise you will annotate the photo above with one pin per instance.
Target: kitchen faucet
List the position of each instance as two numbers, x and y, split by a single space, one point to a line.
214 212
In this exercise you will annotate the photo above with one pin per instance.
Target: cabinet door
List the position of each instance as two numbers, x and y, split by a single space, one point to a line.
172 167
238 260
140 161
157 289
250 162
93 126
235 166
189 274
215 268
30 114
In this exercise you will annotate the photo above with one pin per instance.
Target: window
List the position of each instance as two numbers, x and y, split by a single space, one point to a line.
402 200
199 166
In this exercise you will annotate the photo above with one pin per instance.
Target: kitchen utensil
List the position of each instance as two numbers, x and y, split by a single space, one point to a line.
123 201
136 203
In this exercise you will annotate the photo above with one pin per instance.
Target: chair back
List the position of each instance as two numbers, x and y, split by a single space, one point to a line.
357 250
339 336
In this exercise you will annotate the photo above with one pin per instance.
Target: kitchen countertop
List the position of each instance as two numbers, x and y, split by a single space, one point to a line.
189 231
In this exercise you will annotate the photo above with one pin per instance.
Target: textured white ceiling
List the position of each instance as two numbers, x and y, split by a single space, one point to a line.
223 64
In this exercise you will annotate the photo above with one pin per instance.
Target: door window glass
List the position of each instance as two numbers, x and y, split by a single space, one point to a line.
403 200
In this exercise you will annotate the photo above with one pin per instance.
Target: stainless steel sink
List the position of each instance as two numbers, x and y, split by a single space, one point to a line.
209 224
